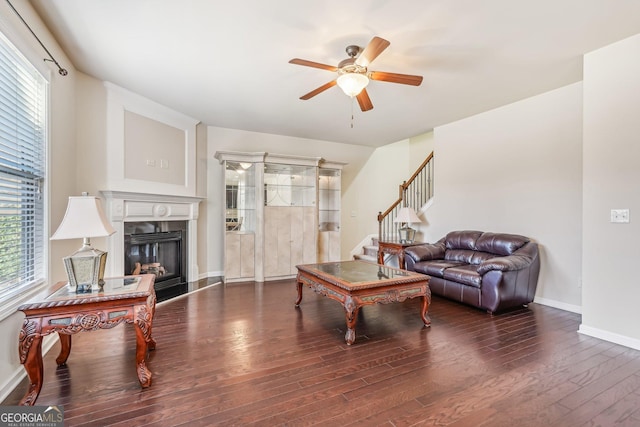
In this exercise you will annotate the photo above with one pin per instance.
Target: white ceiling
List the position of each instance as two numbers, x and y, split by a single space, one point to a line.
225 63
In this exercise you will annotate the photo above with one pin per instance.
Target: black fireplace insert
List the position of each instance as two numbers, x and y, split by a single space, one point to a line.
157 247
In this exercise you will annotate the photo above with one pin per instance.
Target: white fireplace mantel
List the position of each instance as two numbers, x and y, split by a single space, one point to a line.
122 206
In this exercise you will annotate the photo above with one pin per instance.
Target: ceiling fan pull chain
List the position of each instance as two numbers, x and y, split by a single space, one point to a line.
352 102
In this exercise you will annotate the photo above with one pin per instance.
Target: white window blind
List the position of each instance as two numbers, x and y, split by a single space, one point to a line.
22 171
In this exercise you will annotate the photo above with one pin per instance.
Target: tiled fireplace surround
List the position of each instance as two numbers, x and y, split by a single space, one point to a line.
122 207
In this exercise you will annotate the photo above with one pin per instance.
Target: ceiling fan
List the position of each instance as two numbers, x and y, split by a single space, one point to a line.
354 75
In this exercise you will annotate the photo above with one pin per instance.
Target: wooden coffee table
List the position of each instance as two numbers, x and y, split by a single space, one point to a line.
129 299
358 283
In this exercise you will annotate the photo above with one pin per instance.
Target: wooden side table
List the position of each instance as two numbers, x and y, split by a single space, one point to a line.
130 299
394 247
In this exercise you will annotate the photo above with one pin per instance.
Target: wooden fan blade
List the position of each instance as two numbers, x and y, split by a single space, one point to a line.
306 63
364 101
321 89
405 79
371 52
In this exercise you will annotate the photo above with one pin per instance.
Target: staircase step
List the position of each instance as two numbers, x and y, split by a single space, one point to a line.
368 258
371 250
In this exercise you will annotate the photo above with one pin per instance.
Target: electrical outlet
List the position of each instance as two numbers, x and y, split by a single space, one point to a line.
620 215
151 163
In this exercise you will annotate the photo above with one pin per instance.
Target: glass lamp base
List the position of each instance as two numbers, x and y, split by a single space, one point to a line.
407 234
85 268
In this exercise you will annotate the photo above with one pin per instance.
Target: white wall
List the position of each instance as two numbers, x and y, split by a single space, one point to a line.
420 147
518 169
611 176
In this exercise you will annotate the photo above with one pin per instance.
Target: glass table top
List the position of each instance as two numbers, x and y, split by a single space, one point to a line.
111 286
358 271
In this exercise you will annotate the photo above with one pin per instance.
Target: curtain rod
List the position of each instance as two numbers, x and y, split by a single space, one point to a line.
61 70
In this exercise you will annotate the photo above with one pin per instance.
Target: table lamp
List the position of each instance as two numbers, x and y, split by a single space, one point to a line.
84 219
407 216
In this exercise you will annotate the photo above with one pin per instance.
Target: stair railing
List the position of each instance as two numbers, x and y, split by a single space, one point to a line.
413 193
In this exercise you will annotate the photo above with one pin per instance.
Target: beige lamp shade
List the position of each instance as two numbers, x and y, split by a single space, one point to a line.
407 215
84 218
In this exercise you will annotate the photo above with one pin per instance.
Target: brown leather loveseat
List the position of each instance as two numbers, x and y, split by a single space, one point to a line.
491 271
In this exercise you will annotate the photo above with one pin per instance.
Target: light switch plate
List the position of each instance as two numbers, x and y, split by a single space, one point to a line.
620 215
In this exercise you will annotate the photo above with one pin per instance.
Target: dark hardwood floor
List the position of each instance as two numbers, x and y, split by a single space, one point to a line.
242 354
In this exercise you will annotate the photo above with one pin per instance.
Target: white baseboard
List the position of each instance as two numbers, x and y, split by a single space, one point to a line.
591 331
557 304
211 274
12 382
610 336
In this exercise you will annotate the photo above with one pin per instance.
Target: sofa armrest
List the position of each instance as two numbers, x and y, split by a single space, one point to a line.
521 259
425 252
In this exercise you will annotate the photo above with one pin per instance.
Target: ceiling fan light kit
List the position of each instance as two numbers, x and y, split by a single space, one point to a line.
352 83
353 75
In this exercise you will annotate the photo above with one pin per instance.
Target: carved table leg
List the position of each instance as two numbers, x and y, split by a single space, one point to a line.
351 310
144 374
31 350
299 286
65 348
423 311
151 343
142 326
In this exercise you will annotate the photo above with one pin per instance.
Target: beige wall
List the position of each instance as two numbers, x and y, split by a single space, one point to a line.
611 176
518 169
91 133
154 151
91 149
202 186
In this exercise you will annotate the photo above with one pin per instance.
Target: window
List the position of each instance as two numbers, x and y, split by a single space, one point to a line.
22 171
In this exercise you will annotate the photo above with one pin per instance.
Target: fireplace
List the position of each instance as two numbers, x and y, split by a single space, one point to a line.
159 248
159 232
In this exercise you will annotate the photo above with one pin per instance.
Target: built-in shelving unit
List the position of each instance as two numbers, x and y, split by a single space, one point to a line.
329 193
280 211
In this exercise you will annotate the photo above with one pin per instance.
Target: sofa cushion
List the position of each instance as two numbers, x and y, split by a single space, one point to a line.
467 256
465 239
436 267
425 252
459 255
500 243
465 274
